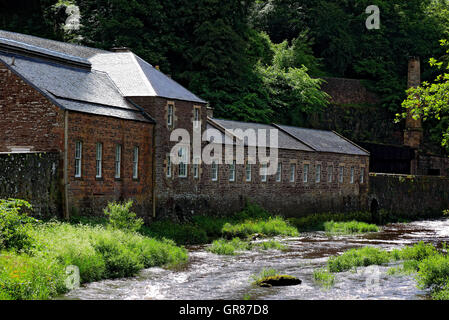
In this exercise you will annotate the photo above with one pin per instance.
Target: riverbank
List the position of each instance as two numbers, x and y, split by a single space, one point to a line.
42 260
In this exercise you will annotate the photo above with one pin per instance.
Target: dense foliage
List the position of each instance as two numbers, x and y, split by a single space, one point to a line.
254 60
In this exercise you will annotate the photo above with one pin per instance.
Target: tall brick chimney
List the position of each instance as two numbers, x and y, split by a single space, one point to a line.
413 134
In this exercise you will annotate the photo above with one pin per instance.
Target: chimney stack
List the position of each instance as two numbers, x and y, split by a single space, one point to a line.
413 134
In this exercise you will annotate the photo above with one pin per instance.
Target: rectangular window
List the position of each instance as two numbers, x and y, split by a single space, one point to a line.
341 174
78 154
170 115
306 173
263 172
196 168
292 172
99 159
214 172
352 174
362 175
118 160
232 171
318 173
196 117
169 169
136 163
330 174
279 173
183 163
248 172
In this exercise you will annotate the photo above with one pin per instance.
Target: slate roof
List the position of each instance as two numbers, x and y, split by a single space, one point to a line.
131 74
324 141
285 141
75 89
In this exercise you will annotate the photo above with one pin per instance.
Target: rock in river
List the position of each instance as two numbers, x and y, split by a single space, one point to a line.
278 281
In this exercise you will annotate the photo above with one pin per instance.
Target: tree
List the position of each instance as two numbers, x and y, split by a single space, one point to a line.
430 101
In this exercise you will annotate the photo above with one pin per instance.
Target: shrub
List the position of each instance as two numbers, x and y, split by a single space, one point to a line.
433 272
15 226
324 278
23 277
358 258
225 247
272 227
180 233
120 216
315 222
417 252
270 245
349 227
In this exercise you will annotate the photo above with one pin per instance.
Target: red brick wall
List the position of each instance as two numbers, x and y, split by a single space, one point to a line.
90 193
27 118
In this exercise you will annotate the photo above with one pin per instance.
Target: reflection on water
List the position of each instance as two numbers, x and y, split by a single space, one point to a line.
210 276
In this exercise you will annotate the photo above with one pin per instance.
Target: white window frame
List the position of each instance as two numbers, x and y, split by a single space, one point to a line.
362 175
341 174
170 114
98 160
318 173
248 173
78 158
182 153
352 175
214 171
305 178
196 117
292 172
136 163
232 171
118 160
169 167
330 174
263 175
279 173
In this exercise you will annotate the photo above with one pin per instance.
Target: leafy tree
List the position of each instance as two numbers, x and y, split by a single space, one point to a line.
430 101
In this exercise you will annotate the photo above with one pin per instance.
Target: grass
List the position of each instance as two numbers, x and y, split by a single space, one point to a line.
231 247
98 252
272 227
354 258
324 278
263 275
269 277
315 222
351 227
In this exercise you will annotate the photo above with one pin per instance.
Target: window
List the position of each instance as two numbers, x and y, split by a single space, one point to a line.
318 173
248 172
182 153
78 154
292 172
341 174
196 168
169 170
170 115
306 173
232 171
214 173
196 117
279 173
99 159
263 176
352 174
330 174
118 160
136 163
362 175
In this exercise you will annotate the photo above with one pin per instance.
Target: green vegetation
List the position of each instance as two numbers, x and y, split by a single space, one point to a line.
271 277
363 257
315 222
271 227
120 217
324 278
229 247
349 227
38 270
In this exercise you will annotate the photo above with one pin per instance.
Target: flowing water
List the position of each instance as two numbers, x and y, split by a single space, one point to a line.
209 276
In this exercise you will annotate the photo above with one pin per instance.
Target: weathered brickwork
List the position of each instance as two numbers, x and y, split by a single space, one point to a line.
28 118
91 193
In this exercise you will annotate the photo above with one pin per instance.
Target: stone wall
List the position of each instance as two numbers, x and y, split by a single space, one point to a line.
409 196
34 177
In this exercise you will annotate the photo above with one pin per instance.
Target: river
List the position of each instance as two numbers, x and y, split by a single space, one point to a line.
209 276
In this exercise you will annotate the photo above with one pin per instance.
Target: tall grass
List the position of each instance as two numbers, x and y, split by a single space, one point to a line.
271 227
324 278
363 257
231 247
349 227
